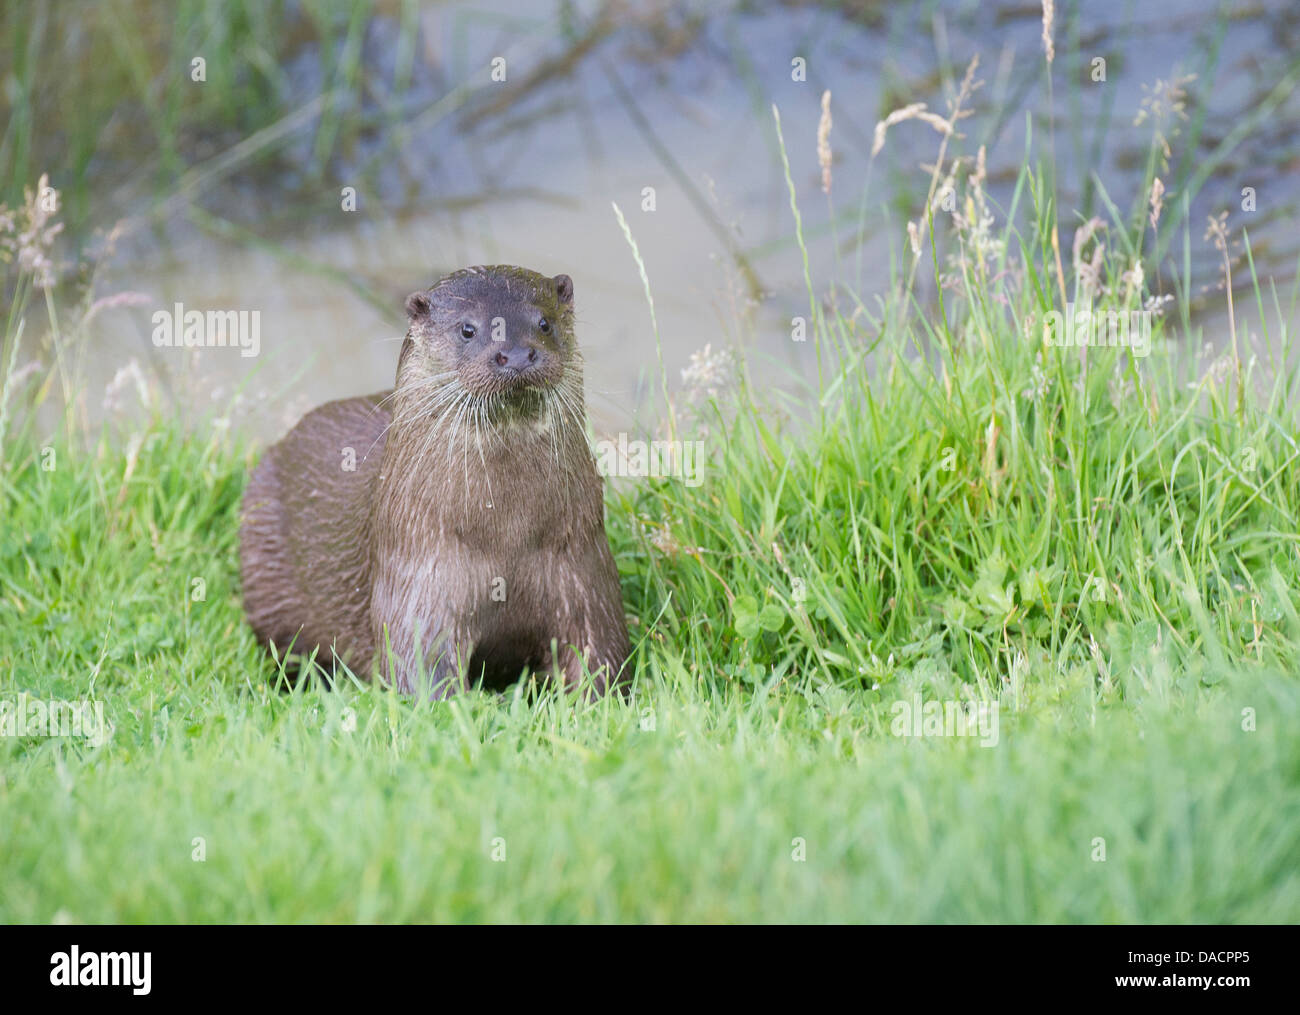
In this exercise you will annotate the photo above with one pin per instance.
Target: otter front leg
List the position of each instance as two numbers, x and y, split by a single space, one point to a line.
410 661
576 662
406 663
597 641
411 651
422 640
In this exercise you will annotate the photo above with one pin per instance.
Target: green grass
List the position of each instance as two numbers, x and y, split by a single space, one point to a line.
1107 550
1122 709
602 819
126 73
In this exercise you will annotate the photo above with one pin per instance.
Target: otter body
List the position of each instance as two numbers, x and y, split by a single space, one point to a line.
453 528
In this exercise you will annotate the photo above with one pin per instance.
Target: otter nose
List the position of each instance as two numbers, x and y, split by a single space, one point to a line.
515 358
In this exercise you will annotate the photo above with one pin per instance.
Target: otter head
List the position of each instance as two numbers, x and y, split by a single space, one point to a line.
500 335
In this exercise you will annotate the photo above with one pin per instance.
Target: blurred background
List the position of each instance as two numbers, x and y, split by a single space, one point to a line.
228 192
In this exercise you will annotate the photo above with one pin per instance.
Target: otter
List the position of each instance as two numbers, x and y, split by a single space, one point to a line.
450 530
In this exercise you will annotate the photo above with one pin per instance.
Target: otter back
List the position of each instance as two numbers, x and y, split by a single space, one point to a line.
304 550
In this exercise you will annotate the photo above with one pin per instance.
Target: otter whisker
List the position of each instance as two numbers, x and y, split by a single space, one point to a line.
404 415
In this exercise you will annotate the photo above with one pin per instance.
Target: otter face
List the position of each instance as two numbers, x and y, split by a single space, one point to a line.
499 331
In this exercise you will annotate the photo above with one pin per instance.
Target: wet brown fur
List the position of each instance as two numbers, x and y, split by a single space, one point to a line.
470 536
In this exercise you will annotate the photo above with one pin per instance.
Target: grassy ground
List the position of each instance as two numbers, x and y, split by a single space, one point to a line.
1103 546
1105 573
691 801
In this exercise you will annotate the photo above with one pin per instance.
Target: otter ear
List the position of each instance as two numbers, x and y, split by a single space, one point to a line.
564 288
417 305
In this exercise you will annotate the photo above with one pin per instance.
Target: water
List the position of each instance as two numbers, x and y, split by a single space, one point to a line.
679 99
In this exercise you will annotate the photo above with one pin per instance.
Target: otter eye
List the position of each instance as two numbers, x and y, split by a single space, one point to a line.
467 331
544 326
